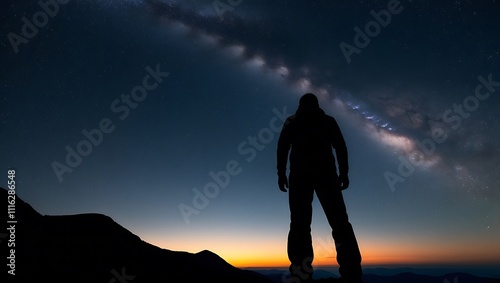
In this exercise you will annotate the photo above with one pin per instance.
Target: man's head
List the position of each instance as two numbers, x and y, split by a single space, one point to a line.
308 101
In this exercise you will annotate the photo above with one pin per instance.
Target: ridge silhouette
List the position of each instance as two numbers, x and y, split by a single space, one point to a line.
94 248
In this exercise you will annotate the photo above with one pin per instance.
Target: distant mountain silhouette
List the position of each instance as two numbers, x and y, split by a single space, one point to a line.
405 277
92 248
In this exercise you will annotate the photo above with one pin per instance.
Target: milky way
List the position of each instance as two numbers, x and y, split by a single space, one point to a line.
399 116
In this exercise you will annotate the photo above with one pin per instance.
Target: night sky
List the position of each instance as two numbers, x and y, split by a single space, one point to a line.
165 115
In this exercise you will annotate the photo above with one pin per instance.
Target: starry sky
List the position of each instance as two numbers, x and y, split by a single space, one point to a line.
164 115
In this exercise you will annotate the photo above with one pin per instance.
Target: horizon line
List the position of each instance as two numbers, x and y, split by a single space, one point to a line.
391 266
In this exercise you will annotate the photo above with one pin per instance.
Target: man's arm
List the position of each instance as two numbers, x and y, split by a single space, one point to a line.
282 156
342 156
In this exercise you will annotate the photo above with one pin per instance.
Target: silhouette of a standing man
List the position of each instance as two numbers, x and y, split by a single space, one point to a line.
310 136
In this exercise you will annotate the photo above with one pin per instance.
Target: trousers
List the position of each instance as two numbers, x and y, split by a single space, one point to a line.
299 247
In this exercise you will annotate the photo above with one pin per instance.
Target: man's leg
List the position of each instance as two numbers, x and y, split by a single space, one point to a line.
300 250
348 254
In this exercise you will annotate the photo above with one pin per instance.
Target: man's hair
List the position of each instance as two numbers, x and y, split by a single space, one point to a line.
308 101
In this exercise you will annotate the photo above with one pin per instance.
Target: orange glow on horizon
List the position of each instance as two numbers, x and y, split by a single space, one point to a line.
411 256
367 261
250 252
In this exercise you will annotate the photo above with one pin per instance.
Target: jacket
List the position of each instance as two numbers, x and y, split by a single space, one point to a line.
310 136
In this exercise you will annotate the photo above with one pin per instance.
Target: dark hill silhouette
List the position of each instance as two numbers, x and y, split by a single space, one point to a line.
94 248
